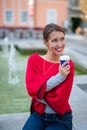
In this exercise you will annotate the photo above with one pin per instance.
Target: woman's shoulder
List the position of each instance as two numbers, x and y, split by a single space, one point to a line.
34 57
72 65
71 62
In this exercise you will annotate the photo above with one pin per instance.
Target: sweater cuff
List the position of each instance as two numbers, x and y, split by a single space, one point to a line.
61 78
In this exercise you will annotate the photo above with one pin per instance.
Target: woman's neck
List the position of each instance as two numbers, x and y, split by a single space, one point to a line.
51 58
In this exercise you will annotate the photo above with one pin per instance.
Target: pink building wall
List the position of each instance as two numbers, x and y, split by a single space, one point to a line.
1 13
40 9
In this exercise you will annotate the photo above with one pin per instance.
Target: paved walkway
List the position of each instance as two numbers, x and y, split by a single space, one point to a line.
78 101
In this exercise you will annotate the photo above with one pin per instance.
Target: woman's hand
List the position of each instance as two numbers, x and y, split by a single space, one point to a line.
64 69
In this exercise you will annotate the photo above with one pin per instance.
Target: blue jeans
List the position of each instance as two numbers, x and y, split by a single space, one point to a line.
49 122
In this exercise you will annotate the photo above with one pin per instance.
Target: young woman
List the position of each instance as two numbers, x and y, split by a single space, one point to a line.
49 84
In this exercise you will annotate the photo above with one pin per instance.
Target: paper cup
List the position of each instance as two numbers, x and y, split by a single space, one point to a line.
64 58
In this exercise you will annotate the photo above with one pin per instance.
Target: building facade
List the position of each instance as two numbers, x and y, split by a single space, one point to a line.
16 20
77 14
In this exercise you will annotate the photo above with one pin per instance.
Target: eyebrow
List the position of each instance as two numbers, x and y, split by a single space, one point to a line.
57 38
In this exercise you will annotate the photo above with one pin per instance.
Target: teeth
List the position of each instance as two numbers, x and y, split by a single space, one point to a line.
58 49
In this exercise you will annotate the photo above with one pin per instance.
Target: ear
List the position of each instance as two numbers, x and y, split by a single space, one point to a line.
46 43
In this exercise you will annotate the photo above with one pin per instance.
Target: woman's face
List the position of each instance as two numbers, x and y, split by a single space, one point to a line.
56 43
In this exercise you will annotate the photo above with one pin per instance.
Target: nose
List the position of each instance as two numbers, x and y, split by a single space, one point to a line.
59 43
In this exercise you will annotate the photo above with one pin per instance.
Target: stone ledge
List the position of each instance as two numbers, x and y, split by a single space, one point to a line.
13 121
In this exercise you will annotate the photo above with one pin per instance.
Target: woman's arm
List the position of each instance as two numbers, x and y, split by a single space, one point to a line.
35 81
54 81
58 98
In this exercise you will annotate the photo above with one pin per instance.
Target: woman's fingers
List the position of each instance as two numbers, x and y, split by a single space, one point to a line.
64 64
64 69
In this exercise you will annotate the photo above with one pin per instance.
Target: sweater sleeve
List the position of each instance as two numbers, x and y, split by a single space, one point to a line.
54 81
58 97
35 82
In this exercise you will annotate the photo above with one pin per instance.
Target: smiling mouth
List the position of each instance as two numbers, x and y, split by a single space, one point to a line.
59 49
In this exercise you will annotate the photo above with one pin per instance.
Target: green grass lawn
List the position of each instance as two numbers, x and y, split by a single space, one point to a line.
14 98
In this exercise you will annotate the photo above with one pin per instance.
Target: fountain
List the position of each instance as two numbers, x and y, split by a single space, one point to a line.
5 47
13 78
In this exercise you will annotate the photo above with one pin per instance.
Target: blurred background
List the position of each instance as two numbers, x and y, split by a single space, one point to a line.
21 25
17 17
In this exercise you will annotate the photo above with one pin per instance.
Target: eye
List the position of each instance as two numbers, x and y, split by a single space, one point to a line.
54 40
62 39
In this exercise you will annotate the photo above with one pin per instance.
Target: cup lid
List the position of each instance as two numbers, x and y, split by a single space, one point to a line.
64 57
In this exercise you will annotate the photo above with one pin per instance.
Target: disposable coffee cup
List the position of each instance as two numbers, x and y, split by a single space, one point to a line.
64 58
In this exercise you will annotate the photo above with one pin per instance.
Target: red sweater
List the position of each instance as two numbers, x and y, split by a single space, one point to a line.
57 97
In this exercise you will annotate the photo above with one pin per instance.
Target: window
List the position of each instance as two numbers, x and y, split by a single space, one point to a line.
23 17
9 16
51 16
